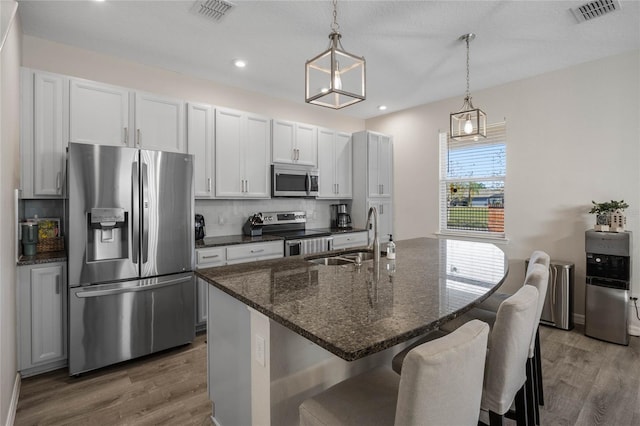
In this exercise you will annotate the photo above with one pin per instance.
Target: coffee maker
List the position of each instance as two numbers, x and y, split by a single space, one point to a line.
339 217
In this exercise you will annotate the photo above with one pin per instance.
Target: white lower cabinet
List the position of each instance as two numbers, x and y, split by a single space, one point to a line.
229 255
242 253
350 240
42 318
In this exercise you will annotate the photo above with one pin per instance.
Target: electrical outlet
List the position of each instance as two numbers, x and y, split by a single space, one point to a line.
260 350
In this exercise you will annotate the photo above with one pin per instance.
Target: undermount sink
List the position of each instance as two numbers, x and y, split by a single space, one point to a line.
356 257
331 261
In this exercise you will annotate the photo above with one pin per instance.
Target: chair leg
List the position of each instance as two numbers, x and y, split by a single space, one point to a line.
521 407
538 357
531 399
495 419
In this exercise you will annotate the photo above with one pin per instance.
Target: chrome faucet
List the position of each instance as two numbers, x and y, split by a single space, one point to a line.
375 244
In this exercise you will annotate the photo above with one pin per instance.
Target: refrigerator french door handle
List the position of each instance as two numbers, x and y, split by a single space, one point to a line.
145 212
135 212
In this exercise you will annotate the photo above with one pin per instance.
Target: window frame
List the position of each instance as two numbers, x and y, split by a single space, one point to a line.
496 133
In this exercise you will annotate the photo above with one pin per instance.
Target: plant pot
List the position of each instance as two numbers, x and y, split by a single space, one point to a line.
602 223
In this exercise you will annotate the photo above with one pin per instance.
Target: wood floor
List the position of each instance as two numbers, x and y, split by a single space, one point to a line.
586 382
169 388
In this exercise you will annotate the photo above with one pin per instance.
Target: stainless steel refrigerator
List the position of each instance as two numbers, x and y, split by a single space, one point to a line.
131 253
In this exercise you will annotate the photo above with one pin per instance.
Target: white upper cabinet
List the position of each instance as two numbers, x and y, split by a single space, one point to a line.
334 164
242 155
200 145
294 143
380 165
159 123
99 113
43 134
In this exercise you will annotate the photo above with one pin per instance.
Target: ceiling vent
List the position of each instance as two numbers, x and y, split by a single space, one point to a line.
595 9
214 10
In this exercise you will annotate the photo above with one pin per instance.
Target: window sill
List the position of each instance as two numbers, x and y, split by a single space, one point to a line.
497 239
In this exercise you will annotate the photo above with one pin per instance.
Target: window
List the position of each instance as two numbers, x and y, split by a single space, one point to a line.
472 175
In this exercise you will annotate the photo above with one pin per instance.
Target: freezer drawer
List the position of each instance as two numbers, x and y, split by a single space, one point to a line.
115 322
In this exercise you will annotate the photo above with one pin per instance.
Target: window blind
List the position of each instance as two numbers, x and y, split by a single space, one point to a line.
472 177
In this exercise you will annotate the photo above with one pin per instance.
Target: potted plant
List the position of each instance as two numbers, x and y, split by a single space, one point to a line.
609 215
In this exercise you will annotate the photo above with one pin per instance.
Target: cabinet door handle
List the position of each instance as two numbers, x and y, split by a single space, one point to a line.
126 136
208 184
211 256
139 136
381 208
246 186
337 188
57 284
58 182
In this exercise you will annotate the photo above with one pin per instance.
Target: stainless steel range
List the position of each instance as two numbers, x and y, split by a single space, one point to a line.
292 226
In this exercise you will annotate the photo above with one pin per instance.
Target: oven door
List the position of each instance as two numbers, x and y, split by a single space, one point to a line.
294 181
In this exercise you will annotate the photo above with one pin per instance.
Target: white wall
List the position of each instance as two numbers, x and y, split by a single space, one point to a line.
9 180
573 137
64 59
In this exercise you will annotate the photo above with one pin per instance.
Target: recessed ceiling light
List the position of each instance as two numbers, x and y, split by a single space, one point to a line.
382 107
239 63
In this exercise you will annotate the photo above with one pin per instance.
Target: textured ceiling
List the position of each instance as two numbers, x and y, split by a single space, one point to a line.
411 47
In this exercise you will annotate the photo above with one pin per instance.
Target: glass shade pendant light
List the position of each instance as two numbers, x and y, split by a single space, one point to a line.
469 122
335 78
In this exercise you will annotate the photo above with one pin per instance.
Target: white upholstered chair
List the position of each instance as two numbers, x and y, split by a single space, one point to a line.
509 341
441 383
538 277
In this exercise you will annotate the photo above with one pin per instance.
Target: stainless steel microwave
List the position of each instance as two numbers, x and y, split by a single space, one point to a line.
294 181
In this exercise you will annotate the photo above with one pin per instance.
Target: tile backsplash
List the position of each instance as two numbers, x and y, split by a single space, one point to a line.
226 217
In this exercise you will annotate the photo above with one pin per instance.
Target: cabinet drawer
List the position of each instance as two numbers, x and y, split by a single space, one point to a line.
208 257
254 251
354 239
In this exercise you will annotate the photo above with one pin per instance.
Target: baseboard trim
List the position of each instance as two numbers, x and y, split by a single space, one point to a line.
578 319
634 330
11 415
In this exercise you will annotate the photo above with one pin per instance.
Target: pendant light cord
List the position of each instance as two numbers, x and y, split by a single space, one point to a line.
467 40
334 26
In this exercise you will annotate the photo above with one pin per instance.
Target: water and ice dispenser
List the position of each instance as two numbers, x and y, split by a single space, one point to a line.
107 236
608 281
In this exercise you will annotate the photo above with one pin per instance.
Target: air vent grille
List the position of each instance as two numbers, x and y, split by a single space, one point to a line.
214 10
595 9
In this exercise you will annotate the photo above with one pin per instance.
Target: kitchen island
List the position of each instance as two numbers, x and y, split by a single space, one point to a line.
282 330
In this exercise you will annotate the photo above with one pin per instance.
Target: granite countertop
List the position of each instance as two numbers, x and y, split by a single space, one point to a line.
228 240
349 312
47 257
335 231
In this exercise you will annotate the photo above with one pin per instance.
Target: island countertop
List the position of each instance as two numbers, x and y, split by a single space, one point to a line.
353 312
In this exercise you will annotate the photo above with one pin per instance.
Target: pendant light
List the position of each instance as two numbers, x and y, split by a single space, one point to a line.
469 122
335 78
